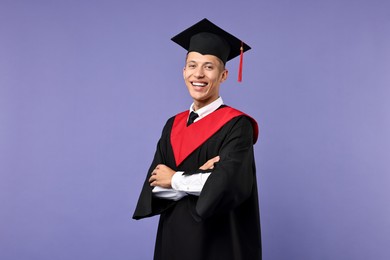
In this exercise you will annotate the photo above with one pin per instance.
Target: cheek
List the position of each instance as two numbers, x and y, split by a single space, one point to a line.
214 79
186 73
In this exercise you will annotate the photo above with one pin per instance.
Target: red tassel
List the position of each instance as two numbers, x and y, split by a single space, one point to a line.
241 61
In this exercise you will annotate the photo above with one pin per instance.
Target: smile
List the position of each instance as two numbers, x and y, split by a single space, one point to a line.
199 84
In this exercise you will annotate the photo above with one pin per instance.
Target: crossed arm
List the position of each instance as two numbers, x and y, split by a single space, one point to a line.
162 174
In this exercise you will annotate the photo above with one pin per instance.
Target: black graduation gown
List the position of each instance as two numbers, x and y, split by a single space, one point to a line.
223 222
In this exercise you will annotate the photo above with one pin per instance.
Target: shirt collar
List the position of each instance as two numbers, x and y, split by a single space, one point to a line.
204 111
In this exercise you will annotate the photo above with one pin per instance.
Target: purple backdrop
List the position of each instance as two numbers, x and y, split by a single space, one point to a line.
86 87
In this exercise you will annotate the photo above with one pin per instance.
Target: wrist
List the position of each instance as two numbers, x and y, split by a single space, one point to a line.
175 180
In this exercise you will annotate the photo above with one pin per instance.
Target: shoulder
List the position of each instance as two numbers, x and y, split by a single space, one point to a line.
168 126
240 115
169 123
243 119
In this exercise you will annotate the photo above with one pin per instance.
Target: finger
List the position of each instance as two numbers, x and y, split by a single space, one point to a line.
152 179
206 166
215 159
210 163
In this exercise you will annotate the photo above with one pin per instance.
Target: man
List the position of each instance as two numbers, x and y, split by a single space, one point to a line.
202 180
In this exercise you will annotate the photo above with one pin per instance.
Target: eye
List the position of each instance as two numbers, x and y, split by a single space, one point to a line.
191 65
209 67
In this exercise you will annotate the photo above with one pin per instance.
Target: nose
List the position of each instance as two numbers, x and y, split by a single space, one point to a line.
199 73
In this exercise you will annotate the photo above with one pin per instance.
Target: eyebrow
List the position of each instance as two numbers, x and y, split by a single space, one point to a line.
204 63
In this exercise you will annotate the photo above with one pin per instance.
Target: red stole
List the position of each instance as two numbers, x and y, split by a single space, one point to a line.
185 139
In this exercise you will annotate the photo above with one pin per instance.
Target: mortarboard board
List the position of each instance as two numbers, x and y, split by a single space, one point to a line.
207 38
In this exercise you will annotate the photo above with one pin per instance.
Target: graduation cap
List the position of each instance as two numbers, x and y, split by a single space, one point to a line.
207 38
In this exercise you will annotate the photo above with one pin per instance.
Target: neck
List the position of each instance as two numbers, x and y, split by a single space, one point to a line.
198 105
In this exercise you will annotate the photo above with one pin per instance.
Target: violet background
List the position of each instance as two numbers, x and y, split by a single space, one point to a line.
86 87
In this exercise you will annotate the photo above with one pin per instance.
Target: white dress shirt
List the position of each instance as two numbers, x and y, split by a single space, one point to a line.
183 185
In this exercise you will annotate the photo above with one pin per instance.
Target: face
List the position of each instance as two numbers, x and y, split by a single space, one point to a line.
203 75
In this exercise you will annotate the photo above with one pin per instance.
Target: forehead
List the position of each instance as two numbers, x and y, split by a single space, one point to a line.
200 58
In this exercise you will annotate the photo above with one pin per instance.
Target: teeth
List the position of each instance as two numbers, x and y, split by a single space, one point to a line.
197 84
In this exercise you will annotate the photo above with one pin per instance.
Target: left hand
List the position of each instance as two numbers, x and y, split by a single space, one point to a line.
161 176
209 165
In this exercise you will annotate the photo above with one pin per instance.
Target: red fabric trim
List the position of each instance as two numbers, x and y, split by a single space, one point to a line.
185 139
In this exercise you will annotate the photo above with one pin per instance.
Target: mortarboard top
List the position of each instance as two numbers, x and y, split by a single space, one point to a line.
207 38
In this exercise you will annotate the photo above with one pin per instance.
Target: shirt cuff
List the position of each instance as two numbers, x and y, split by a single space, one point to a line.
175 181
191 184
168 194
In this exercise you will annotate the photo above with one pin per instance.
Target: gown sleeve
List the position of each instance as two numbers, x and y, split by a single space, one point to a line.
148 205
232 181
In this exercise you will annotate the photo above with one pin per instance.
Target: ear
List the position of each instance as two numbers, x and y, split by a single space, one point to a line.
224 75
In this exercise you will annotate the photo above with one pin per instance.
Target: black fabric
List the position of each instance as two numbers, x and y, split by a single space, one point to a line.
197 171
192 118
210 43
223 222
207 38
